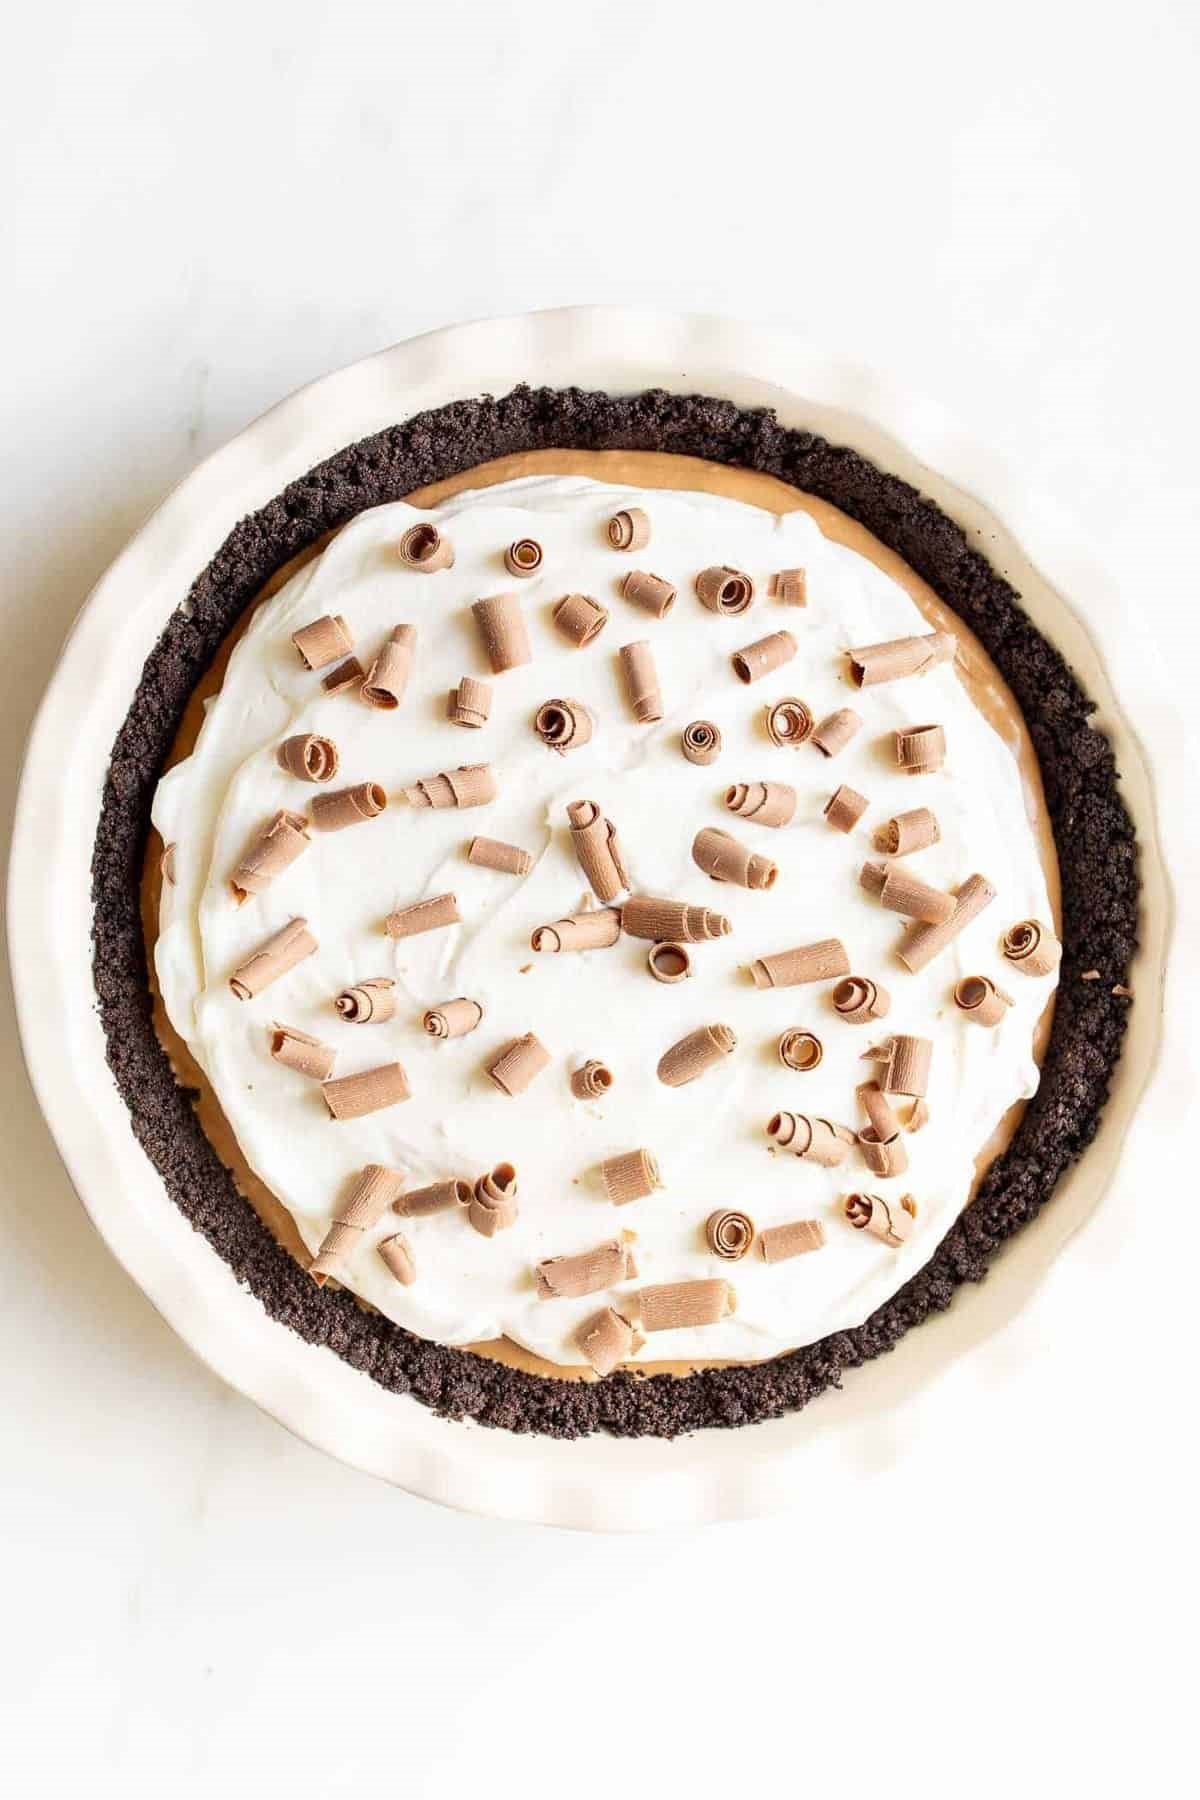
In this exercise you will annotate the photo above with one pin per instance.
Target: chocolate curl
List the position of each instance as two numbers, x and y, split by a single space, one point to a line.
729 1234
650 592
274 849
921 749
641 682
425 549
354 1096
889 1220
490 853
631 1176
324 641
597 930
307 1055
519 1064
695 1054
982 1001
374 1189
348 674
882 1156
858 999
349 806
764 656
918 1118
907 832
564 725
883 1121
800 1050
470 703
835 732
590 1272
606 1340
901 657
629 529
789 723
166 864
813 1140
725 590
669 962
523 557
923 942
453 1018
598 849
766 802
388 677
906 1061
1032 948
502 627
872 876
790 586
671 921
424 915
580 618
397 1254
845 807
683 1305
823 961
281 952
724 859
701 742
779 1243
368 1002
493 1205
592 1081
440 1196
308 757
905 893
471 785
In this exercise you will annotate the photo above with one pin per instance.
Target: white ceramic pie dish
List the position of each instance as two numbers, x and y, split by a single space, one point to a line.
597 1483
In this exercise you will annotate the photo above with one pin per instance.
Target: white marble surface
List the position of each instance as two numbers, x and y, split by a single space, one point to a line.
204 206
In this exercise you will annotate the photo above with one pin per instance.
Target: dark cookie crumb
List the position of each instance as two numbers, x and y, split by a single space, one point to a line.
1093 829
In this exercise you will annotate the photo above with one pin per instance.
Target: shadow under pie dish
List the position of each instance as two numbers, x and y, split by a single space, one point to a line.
1099 902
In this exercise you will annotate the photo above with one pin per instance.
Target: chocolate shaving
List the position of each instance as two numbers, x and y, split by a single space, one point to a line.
564 725
823 961
813 1140
631 1176
470 703
473 784
440 1196
695 1054
669 962
883 1121
606 1340
580 618
596 930
349 806
766 802
650 592
423 915
721 856
906 1065
883 1156
281 952
790 586
921 749
982 1001
423 548
493 1205
502 628
835 732
629 529
388 675
844 808
598 850
701 742
519 1064
588 1272
490 853
800 1050
592 1081
354 1096
872 877
922 942
779 1243
907 832
906 893
889 1220
1032 947
274 849
764 656
307 1055
918 1117
857 999
789 723
901 657
453 1018
640 675
397 1253
368 1002
684 1305
324 641
523 557
724 590
308 757
348 674
729 1233
671 921
365 1203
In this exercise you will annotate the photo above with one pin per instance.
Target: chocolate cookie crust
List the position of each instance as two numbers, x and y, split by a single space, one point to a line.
1092 827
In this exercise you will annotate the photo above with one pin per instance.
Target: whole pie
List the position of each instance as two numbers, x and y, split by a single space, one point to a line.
607 911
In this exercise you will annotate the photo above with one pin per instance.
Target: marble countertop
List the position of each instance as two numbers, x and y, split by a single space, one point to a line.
204 207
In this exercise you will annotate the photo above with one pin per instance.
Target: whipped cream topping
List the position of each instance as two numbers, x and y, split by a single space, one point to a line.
709 1137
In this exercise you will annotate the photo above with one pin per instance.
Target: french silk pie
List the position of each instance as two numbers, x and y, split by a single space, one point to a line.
607 911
